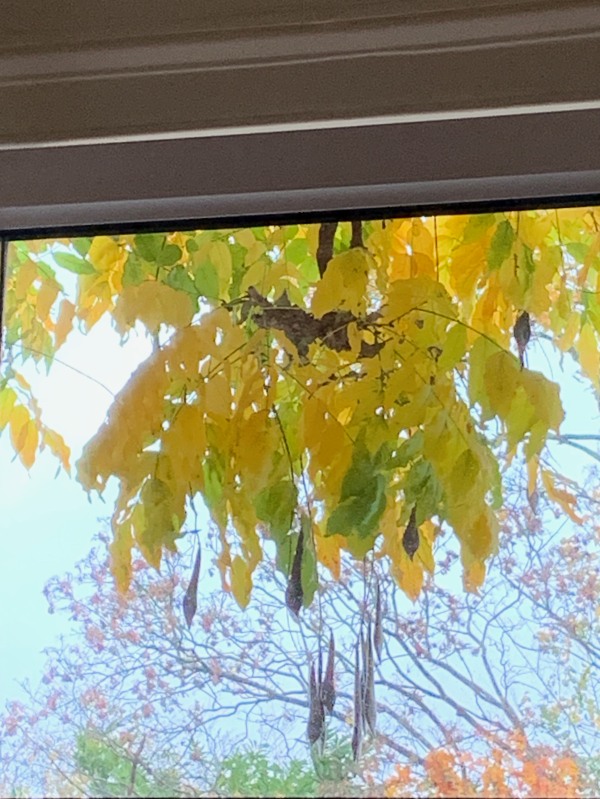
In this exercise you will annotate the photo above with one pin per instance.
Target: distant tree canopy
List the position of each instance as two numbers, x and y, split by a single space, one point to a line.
353 386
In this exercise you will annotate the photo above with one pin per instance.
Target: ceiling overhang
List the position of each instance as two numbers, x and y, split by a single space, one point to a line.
182 110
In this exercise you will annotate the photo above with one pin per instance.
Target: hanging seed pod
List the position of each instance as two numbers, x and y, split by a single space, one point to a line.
316 716
320 674
190 600
378 632
522 334
370 707
357 729
328 685
294 595
363 678
410 539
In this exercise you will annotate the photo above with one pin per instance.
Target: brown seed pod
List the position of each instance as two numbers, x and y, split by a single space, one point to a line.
190 600
363 676
328 685
410 539
357 729
522 334
370 707
294 595
316 716
378 631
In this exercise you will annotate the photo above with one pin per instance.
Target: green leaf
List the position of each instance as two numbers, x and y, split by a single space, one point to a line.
309 576
359 474
528 260
206 280
409 449
74 263
134 272
82 245
179 278
360 513
275 505
362 498
157 529
578 250
501 245
169 255
149 245
46 270
296 251
422 488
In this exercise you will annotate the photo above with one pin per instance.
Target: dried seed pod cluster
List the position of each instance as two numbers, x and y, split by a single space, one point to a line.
522 334
316 715
365 703
358 726
378 631
328 684
190 600
410 539
321 694
294 595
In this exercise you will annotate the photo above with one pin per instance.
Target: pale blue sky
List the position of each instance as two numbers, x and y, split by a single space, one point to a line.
47 521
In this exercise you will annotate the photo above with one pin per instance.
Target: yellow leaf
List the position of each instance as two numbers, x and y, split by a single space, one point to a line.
7 401
344 284
185 444
153 304
589 354
154 526
407 296
220 255
30 440
120 555
479 532
501 378
256 443
544 395
45 298
425 551
57 445
64 322
328 551
218 396
411 578
474 575
566 501
26 273
105 253
467 265
241 581
454 348
19 419
532 473
565 342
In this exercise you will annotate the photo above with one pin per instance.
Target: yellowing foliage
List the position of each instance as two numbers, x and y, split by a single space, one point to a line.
373 384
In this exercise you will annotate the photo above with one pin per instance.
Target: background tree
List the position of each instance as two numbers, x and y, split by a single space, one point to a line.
491 694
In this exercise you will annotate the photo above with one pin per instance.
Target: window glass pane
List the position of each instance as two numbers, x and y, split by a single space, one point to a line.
236 463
